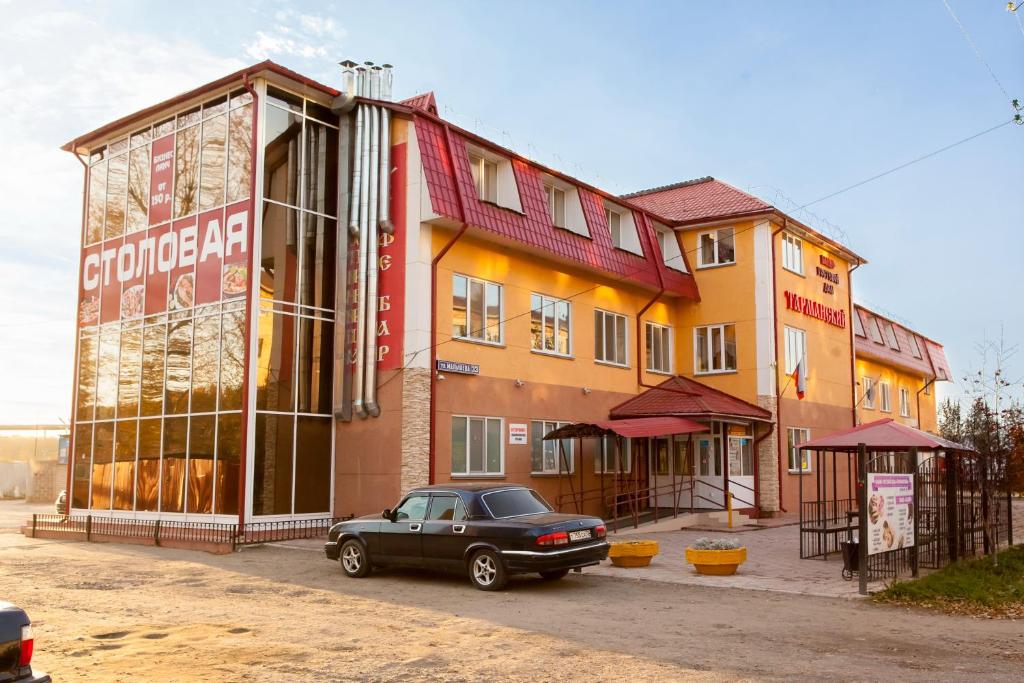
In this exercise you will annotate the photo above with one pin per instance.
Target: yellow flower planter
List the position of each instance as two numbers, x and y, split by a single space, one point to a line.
632 553
716 562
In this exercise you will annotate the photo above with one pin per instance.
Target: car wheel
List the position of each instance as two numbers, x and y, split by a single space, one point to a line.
354 560
487 572
554 575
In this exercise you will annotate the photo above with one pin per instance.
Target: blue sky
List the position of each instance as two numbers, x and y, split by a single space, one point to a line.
791 100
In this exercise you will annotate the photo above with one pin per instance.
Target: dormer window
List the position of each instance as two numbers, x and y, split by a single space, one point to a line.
858 326
669 246
622 229
915 347
494 179
556 205
564 208
890 336
614 219
874 331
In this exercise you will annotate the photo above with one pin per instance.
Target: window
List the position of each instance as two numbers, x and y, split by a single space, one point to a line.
858 325
485 177
609 337
890 336
741 456
715 348
550 329
514 503
799 461
915 347
477 445
604 458
614 219
716 248
874 331
545 456
659 348
885 401
793 253
476 310
446 508
796 348
905 402
556 205
868 387
414 507
669 246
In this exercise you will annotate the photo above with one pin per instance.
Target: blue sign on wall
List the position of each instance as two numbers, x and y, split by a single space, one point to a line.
457 367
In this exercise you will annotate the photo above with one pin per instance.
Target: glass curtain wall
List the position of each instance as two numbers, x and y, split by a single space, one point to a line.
160 367
295 321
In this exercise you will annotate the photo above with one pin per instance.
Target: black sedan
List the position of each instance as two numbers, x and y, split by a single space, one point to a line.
487 531
16 645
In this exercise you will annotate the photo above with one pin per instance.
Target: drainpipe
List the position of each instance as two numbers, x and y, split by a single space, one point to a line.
757 468
775 344
853 344
74 384
244 440
640 313
431 457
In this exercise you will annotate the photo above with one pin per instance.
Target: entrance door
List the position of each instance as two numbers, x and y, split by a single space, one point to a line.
707 490
741 471
671 472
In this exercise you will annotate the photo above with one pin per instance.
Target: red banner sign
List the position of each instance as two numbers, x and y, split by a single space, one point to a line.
391 265
161 175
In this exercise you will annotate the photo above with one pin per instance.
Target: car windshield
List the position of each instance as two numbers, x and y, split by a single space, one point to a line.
515 502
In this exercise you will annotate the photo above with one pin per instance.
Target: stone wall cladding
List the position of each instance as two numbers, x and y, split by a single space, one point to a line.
415 428
768 459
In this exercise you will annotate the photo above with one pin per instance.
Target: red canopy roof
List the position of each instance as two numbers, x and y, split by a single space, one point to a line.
636 427
882 435
681 396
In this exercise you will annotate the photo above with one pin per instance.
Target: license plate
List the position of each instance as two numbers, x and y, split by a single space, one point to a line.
581 535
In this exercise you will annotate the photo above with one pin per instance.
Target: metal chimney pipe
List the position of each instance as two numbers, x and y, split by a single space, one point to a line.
358 163
375 82
384 203
364 195
348 77
370 305
386 82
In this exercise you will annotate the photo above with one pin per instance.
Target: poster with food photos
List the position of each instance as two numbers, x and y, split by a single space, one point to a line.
890 512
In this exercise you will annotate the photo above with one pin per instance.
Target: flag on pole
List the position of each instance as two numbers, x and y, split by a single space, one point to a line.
800 378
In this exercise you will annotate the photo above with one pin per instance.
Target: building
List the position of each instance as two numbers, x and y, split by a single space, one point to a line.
298 301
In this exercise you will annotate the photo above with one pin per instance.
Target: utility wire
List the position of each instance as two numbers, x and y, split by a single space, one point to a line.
413 355
970 41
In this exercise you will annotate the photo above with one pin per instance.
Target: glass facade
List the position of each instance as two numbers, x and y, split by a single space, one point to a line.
162 331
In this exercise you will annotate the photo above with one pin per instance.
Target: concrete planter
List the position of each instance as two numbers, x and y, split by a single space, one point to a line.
632 553
716 562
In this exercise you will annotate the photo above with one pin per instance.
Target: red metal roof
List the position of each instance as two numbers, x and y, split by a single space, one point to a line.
682 396
424 101
533 226
885 434
701 199
931 364
633 428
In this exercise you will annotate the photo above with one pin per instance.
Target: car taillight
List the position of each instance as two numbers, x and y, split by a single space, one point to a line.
556 538
600 531
27 643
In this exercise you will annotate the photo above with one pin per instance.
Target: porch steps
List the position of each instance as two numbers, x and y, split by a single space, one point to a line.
709 520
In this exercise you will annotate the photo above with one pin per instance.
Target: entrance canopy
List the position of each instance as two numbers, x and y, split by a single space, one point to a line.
882 435
635 427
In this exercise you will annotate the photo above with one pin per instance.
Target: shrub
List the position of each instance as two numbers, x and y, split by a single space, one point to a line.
705 543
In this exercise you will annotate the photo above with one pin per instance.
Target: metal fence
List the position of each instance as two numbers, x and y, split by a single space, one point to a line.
160 530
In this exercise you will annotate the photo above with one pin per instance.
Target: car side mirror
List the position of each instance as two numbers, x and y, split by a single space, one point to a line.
387 514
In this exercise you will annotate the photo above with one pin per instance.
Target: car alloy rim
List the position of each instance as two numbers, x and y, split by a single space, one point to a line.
351 558
484 570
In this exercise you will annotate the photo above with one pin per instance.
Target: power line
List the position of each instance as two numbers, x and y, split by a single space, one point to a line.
435 344
970 41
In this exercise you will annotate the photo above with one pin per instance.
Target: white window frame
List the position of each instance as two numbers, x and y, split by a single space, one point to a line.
547 426
650 329
550 304
915 346
884 397
904 402
668 243
795 456
486 184
628 237
875 332
614 227
600 355
710 350
505 192
555 212
601 456
858 326
716 260
482 339
889 332
868 389
795 348
792 253
468 473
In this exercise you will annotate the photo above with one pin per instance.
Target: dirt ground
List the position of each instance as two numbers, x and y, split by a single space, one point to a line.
106 612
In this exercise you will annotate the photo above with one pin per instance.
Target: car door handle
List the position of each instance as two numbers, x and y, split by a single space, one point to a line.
415 527
458 528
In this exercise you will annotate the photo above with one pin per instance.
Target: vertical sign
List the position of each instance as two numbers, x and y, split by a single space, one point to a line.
890 512
161 176
391 269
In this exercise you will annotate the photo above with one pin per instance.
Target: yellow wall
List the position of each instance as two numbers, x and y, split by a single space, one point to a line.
521 275
897 378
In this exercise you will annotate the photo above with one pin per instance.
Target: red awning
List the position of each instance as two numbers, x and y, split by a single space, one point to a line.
882 435
633 427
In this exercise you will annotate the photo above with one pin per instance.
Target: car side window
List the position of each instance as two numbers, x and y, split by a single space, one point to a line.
447 509
413 507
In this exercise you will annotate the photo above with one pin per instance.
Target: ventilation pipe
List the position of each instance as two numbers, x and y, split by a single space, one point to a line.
368 214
